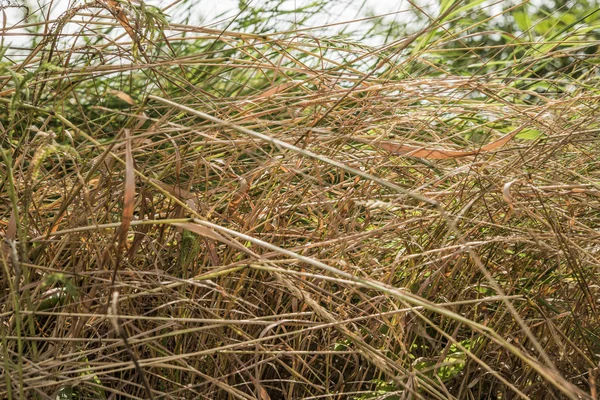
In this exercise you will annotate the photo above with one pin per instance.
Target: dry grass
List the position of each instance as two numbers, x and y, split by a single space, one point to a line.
203 213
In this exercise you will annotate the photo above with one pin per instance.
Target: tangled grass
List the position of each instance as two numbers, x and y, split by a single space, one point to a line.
193 212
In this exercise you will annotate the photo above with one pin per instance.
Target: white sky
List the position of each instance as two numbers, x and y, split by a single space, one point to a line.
217 14
207 12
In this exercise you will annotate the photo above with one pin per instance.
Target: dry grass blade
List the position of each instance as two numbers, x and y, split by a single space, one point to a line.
288 206
296 149
210 234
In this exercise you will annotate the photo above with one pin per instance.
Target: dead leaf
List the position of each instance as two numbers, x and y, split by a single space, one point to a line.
123 96
437 154
178 193
115 9
129 196
239 195
173 190
210 234
508 198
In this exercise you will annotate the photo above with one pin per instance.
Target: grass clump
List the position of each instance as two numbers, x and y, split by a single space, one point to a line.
268 209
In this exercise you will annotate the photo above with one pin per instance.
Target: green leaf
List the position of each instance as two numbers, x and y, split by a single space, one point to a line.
529 134
523 20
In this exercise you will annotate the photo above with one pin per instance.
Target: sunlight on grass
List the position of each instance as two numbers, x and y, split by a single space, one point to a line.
284 202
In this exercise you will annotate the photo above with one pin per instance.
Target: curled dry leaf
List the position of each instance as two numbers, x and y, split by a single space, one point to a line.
178 192
240 194
507 196
123 96
129 196
117 11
